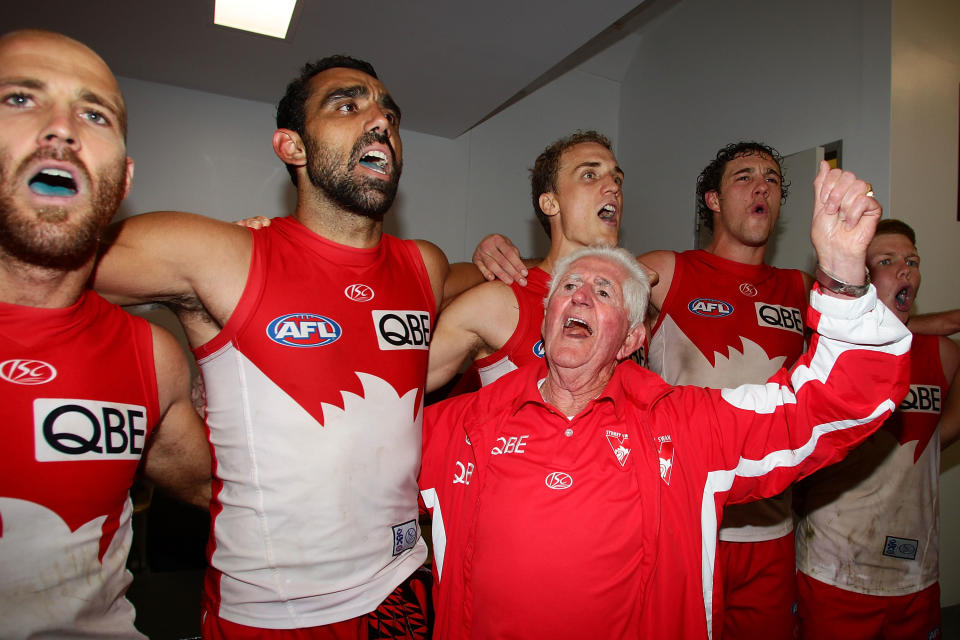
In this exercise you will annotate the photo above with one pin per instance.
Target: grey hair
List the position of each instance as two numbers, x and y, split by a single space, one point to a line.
636 288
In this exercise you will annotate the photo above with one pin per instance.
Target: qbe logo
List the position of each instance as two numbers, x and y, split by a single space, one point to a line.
922 398
710 308
402 329
87 430
303 330
779 317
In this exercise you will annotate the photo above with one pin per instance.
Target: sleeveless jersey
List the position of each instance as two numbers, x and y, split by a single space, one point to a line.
525 345
873 523
314 397
723 324
79 401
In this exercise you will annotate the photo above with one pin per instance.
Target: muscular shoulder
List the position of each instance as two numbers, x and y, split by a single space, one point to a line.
488 310
170 364
435 261
949 357
664 263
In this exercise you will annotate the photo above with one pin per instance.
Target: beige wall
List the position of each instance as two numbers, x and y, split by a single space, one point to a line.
925 84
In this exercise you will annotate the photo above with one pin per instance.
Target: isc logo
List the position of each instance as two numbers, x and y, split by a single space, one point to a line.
774 315
27 371
710 308
87 430
402 329
303 330
922 398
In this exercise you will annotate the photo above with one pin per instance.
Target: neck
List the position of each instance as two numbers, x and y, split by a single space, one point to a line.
736 251
32 286
325 218
560 247
570 390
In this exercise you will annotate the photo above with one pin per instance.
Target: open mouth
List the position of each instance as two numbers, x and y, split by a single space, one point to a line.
760 209
903 299
607 212
58 183
575 326
375 161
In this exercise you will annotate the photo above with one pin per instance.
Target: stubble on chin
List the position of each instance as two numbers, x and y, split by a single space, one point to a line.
58 237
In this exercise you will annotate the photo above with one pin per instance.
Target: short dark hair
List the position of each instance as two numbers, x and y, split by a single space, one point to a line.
291 112
711 176
543 175
892 226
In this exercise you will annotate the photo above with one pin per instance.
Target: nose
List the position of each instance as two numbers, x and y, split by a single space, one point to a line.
904 270
60 129
582 296
612 184
762 186
378 119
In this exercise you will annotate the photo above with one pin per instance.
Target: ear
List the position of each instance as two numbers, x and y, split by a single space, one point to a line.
288 146
712 199
632 342
128 178
549 204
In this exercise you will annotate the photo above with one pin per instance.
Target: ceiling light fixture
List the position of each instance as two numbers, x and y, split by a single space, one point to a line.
267 17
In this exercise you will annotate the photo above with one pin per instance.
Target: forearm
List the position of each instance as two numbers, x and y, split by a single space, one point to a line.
940 323
852 377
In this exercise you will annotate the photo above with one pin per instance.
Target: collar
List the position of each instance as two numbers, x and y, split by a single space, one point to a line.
630 384
753 273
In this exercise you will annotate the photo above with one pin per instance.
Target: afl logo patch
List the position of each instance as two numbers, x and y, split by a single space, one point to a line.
359 293
303 330
27 371
538 349
558 480
710 308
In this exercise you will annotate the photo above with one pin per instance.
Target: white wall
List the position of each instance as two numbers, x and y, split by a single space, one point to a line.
503 149
706 73
925 86
211 154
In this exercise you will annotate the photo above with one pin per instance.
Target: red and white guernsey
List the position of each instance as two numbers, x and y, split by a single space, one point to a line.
314 394
79 401
723 324
873 523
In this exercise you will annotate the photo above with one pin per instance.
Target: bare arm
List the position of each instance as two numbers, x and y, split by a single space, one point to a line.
950 415
192 263
940 323
663 263
177 456
475 324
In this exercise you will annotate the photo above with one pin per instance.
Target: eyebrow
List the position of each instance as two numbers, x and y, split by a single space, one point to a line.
29 83
594 164
360 91
84 95
765 172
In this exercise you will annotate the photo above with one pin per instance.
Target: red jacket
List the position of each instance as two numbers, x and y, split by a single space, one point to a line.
604 525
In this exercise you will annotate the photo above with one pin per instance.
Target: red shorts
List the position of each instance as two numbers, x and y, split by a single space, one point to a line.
827 612
403 615
759 589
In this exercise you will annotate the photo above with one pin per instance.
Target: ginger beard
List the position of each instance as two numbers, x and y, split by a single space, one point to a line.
63 237
329 171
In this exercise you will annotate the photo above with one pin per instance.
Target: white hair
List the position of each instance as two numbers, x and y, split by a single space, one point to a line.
636 287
